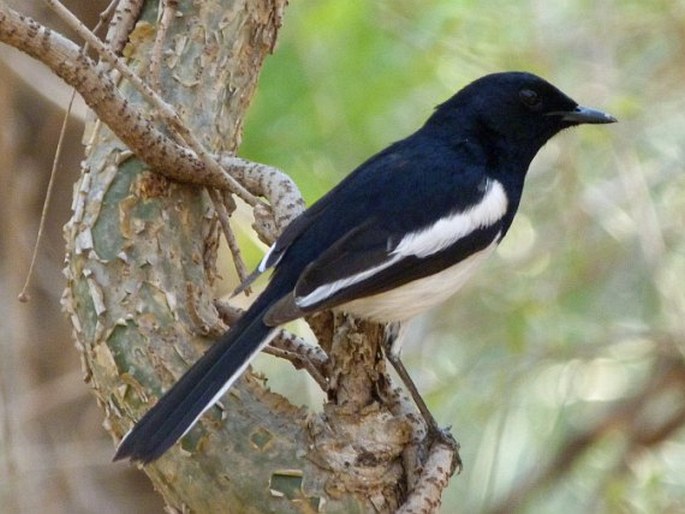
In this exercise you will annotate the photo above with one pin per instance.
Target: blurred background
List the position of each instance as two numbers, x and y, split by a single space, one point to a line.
560 367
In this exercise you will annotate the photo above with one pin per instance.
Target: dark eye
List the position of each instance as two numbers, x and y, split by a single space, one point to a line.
530 98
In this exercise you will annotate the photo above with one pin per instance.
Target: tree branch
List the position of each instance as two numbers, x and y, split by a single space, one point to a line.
100 93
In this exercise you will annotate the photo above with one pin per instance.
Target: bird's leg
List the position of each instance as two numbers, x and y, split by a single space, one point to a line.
392 352
392 345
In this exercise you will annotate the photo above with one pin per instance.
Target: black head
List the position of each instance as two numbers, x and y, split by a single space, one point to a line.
516 107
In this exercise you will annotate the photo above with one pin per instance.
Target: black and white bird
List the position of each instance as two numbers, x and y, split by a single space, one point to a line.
399 235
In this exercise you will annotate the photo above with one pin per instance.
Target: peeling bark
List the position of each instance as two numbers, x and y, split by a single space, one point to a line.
141 252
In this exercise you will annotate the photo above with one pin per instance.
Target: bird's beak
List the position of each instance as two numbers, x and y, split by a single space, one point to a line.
584 115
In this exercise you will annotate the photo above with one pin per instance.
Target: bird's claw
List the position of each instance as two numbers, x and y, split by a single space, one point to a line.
444 437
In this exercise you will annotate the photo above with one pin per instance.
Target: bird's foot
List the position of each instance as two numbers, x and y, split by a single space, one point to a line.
444 437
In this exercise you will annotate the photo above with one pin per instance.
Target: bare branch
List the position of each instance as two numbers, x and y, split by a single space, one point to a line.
167 16
298 363
97 89
282 193
125 16
159 151
224 215
165 110
425 498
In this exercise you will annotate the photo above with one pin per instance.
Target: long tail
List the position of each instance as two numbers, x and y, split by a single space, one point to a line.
200 388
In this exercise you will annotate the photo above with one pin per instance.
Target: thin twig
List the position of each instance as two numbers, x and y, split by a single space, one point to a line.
299 363
166 17
23 295
162 154
124 20
106 15
107 54
224 219
288 341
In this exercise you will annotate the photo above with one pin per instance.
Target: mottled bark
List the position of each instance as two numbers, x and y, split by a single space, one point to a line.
141 250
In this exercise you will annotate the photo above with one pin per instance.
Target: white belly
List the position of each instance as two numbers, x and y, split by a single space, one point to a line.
417 296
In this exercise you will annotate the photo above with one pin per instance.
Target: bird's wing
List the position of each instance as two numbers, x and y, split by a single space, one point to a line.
375 257
416 162
372 175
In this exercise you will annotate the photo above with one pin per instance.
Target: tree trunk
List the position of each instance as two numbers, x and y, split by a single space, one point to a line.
141 264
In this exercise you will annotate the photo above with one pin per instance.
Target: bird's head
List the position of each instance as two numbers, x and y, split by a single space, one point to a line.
517 107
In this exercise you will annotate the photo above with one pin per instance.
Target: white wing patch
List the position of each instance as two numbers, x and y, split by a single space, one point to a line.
427 241
326 290
262 265
447 231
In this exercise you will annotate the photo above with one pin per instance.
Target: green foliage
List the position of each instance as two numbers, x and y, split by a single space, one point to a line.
586 291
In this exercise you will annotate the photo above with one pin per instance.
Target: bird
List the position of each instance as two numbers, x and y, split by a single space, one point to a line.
396 237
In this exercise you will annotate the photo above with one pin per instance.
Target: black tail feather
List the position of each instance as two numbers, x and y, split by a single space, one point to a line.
202 386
